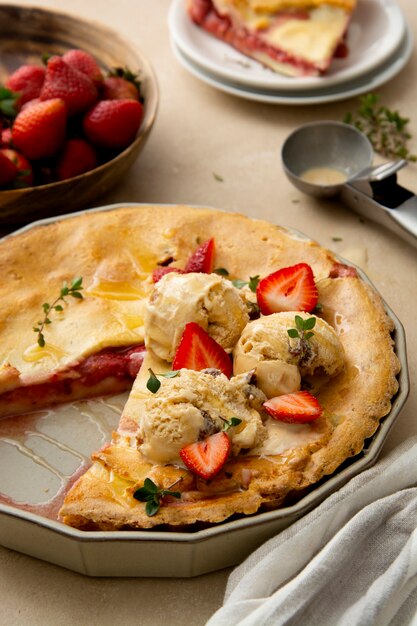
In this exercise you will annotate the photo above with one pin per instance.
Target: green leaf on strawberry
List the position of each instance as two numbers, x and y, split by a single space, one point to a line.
8 100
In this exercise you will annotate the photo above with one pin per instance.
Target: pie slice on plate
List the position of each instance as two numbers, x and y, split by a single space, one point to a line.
257 363
293 37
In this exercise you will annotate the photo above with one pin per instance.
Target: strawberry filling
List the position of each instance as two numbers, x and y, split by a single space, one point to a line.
109 371
203 13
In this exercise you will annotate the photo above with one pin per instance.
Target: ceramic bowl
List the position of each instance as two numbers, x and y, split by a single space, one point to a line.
25 34
156 553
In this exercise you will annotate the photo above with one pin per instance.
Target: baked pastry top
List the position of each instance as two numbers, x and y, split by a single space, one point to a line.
270 462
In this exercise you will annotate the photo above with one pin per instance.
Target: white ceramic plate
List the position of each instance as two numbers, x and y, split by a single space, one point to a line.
376 30
41 452
364 84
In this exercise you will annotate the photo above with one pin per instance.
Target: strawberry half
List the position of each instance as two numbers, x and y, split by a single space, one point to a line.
198 351
202 259
289 289
206 458
299 407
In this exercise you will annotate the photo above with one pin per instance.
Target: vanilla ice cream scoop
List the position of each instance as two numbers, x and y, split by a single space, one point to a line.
280 361
207 299
194 405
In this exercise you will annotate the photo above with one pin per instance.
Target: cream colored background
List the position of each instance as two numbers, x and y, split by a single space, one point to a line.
198 132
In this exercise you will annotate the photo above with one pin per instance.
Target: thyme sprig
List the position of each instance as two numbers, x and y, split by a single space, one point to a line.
303 332
73 290
387 130
152 495
153 382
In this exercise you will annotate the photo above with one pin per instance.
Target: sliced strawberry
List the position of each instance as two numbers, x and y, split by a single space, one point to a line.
299 407
159 272
289 289
202 259
198 351
340 270
206 458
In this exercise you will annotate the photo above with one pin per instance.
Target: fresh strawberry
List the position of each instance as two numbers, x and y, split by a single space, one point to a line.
39 130
117 88
77 157
113 123
85 63
289 289
8 170
24 176
65 82
207 457
28 81
298 407
6 137
202 259
159 272
198 351
29 103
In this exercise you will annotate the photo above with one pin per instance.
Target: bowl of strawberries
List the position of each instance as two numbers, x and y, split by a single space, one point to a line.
77 103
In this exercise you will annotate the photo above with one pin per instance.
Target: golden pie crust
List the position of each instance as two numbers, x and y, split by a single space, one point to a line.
129 242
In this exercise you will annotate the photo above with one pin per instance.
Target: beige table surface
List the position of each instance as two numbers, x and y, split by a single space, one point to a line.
200 132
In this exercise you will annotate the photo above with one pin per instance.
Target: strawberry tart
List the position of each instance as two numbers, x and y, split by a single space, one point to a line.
293 37
256 364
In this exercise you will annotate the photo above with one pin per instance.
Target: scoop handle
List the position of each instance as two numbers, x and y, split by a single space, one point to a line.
401 220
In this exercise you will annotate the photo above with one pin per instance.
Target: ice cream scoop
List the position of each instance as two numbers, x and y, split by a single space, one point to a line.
193 405
207 299
280 361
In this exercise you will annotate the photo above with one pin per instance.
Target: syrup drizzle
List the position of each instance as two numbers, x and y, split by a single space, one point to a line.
42 429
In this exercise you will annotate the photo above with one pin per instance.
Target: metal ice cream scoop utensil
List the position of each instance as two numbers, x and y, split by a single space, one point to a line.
323 148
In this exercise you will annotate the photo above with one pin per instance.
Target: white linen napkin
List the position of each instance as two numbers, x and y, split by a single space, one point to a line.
352 561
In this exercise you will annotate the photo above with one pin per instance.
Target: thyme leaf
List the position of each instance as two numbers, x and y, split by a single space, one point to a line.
152 495
153 382
303 332
387 130
234 421
252 283
73 290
